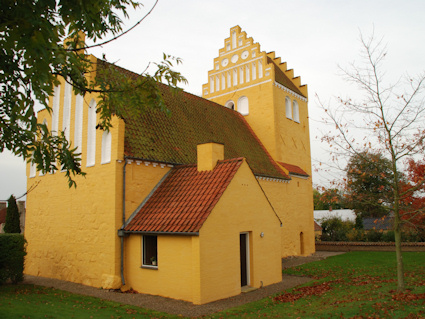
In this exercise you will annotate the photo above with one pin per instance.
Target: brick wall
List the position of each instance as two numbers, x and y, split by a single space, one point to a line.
362 246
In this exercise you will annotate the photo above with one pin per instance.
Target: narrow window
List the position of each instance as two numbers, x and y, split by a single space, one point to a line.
217 83
254 71
241 74
234 39
247 73
66 118
288 108
295 111
223 82
243 105
91 134
235 76
212 84
260 69
55 115
229 80
106 147
78 125
150 250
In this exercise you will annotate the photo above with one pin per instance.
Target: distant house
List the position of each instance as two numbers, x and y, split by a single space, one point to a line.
3 212
317 230
378 223
343 214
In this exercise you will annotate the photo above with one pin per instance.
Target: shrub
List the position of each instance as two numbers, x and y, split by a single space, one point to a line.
334 229
12 253
12 217
388 236
356 235
374 236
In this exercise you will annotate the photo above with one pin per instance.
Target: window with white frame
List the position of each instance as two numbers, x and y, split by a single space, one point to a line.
230 104
106 147
55 110
243 105
91 134
288 107
78 125
150 250
295 111
66 117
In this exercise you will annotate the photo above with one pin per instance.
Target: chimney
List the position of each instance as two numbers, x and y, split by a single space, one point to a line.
208 155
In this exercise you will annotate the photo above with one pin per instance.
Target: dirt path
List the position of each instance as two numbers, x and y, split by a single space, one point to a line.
184 308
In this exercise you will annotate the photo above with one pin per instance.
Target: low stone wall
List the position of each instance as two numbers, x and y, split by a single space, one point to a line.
363 246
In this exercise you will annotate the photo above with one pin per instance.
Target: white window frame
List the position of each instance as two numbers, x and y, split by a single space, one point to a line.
288 107
146 260
295 111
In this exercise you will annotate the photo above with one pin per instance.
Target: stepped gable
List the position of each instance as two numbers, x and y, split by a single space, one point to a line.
184 200
173 138
281 78
241 63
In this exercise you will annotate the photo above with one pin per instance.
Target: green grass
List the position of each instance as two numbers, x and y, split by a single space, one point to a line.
29 301
353 285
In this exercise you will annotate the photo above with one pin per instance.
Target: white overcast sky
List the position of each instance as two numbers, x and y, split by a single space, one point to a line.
312 36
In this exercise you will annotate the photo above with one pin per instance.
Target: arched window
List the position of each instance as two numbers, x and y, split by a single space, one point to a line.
288 107
243 105
66 118
106 147
230 105
91 134
295 111
55 110
78 125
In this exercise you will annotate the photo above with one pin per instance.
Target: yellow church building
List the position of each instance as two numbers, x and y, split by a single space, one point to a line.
196 205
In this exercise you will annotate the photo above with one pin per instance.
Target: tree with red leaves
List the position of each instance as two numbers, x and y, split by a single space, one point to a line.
412 202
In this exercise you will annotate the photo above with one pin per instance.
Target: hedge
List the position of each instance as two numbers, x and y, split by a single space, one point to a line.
12 253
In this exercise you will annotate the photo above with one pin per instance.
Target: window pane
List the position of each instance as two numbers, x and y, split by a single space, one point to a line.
150 256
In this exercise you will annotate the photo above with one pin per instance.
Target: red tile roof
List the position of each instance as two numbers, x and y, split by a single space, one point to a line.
293 169
317 227
3 212
184 200
192 120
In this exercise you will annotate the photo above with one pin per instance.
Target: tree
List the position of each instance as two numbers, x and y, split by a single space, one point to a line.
412 210
388 117
13 224
368 184
41 41
329 198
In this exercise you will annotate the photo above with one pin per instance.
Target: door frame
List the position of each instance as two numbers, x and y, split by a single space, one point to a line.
247 257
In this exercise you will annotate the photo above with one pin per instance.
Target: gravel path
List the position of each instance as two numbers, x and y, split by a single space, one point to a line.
179 307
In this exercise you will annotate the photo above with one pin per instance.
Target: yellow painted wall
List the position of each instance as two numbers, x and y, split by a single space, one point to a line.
205 268
296 213
219 240
71 232
174 275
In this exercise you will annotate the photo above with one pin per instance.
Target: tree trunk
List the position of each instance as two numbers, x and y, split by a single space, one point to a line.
399 256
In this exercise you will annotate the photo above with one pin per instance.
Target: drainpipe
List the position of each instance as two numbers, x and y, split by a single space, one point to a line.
121 231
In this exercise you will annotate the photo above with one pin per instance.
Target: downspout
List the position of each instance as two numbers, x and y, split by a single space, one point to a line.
121 234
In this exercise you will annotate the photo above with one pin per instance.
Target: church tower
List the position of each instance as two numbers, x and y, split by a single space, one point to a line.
260 87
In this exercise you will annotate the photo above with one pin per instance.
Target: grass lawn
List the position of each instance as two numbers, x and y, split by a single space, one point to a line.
353 285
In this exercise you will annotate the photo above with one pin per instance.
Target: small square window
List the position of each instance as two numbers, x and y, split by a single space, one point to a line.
150 251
